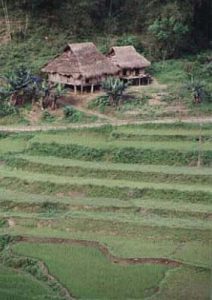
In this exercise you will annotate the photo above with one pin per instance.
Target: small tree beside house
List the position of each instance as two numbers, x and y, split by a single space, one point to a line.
114 88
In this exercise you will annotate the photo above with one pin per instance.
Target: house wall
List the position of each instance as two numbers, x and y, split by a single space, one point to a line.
59 78
69 80
131 72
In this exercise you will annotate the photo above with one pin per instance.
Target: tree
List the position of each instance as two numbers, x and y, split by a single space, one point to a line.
55 93
168 36
197 89
19 86
114 88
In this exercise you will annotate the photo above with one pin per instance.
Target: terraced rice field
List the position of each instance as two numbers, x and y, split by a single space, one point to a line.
107 213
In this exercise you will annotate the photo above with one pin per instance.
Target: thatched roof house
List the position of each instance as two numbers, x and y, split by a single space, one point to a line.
80 65
131 63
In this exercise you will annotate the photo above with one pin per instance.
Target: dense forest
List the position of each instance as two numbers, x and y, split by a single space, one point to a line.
168 28
34 31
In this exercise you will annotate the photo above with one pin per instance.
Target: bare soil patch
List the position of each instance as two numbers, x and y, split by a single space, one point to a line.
11 223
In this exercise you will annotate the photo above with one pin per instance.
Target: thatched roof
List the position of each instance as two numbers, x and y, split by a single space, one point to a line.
126 57
81 60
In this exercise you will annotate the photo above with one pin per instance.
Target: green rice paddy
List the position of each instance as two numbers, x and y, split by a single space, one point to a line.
141 192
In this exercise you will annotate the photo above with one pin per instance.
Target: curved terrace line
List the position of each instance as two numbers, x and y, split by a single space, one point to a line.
104 250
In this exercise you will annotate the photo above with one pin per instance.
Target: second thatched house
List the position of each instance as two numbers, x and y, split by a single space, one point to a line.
80 66
131 63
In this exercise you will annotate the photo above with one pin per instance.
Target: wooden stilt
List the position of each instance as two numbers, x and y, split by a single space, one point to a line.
75 89
92 88
139 81
81 88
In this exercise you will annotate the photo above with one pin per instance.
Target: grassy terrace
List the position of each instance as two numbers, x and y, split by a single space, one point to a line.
163 134
99 284
141 130
12 145
10 198
105 144
98 141
107 166
136 190
19 286
33 177
68 167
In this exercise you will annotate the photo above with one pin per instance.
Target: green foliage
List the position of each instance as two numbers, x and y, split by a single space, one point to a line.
68 111
59 90
208 69
6 109
198 81
39 5
133 40
2 223
122 155
92 19
197 89
46 116
100 102
114 88
19 86
5 240
72 115
169 36
132 103
56 92
19 79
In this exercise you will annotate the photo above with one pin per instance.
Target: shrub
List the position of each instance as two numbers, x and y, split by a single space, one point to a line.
198 90
130 40
6 109
114 88
2 223
207 69
72 115
5 240
100 102
46 116
20 86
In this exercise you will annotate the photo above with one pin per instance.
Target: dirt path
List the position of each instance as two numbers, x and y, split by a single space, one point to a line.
114 122
105 251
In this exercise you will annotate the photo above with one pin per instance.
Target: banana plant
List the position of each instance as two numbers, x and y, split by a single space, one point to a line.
197 89
57 92
18 84
114 88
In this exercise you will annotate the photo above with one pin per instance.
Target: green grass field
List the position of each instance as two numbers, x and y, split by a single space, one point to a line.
19 286
89 275
142 192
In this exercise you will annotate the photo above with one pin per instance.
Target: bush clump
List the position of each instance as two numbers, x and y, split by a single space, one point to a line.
100 102
46 116
5 240
6 109
130 40
122 155
72 115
